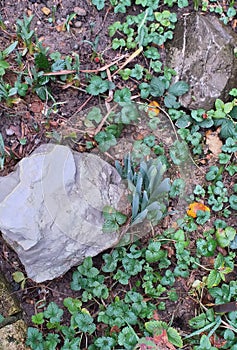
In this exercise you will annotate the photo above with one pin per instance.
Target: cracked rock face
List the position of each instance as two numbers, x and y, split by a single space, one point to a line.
202 53
51 209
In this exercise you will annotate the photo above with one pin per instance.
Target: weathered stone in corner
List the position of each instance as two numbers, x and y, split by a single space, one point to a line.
202 53
12 336
9 305
12 330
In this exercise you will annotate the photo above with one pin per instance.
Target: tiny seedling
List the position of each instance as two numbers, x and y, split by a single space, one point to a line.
68 21
6 95
25 33
3 55
20 278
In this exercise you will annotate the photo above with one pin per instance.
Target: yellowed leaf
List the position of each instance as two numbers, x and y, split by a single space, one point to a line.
194 207
46 11
154 108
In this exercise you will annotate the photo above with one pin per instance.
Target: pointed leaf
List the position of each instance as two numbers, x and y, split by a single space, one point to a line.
9 49
119 168
144 200
4 64
162 188
135 204
174 337
139 184
153 206
140 217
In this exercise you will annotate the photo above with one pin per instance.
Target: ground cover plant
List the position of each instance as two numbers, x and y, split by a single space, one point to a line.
134 296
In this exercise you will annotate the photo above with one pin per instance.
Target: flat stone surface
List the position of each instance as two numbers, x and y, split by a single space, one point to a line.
202 53
51 209
12 336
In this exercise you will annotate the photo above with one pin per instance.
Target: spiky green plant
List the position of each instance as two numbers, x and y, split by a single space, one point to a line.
148 189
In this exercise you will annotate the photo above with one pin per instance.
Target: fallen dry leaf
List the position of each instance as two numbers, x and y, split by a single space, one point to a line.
46 11
60 28
162 341
156 315
234 24
194 207
36 107
217 341
169 249
153 108
213 142
139 136
114 329
54 123
222 251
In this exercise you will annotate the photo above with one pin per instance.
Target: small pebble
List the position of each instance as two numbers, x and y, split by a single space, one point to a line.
78 24
75 46
79 11
10 132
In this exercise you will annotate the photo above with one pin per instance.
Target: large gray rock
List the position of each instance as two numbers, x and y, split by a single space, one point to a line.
51 209
202 53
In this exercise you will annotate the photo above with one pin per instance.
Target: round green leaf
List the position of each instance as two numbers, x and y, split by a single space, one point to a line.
179 88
